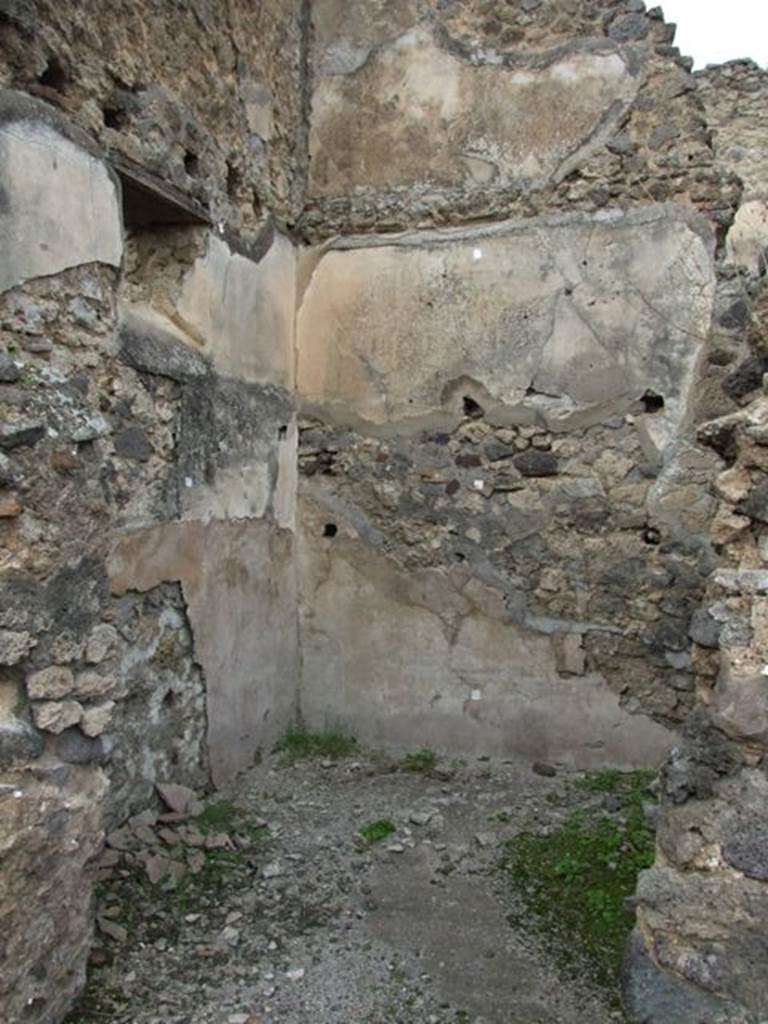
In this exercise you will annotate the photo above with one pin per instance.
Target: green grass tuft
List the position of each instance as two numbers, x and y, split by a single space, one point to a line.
219 816
422 761
298 743
575 881
376 831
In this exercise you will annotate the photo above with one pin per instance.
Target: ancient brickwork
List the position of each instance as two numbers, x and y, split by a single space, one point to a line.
397 365
512 401
472 112
700 945
205 95
147 437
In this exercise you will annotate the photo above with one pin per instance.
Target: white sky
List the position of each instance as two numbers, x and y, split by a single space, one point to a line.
714 31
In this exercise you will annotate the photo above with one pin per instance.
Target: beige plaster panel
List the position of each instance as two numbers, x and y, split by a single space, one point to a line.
564 319
413 660
237 492
241 312
239 584
411 113
58 205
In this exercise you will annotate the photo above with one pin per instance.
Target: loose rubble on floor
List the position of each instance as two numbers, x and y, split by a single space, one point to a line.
363 889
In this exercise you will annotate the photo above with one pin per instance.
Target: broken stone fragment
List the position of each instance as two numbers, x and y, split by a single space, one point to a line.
14 646
73 747
65 648
101 643
144 819
23 433
93 684
112 929
196 862
145 835
272 870
149 343
740 707
120 839
181 799
9 474
157 868
420 817
56 716
10 506
734 484
93 428
536 463
133 443
19 741
9 371
51 683
704 629
97 719
742 581
727 525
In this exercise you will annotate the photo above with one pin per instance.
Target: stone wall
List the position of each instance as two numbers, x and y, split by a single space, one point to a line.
487 111
206 96
520 442
499 378
700 945
394 365
148 623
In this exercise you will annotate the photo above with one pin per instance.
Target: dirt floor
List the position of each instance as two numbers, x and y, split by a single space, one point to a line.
272 906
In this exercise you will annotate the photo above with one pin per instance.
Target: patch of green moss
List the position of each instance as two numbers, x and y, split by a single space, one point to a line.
219 816
422 761
574 882
611 780
298 744
376 831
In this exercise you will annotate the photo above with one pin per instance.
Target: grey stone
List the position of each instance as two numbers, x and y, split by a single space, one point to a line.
621 144
494 451
742 581
756 504
14 646
629 27
655 996
737 315
75 748
703 629
50 683
9 371
93 428
663 134
132 443
747 377
101 643
149 344
23 433
180 799
747 848
9 474
56 716
536 464
19 743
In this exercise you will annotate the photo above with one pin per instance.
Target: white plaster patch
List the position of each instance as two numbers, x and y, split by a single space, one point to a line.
61 207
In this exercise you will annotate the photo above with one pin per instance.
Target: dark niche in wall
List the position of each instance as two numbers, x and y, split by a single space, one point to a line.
148 199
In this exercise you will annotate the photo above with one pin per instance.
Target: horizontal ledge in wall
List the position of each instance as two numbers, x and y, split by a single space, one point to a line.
148 199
